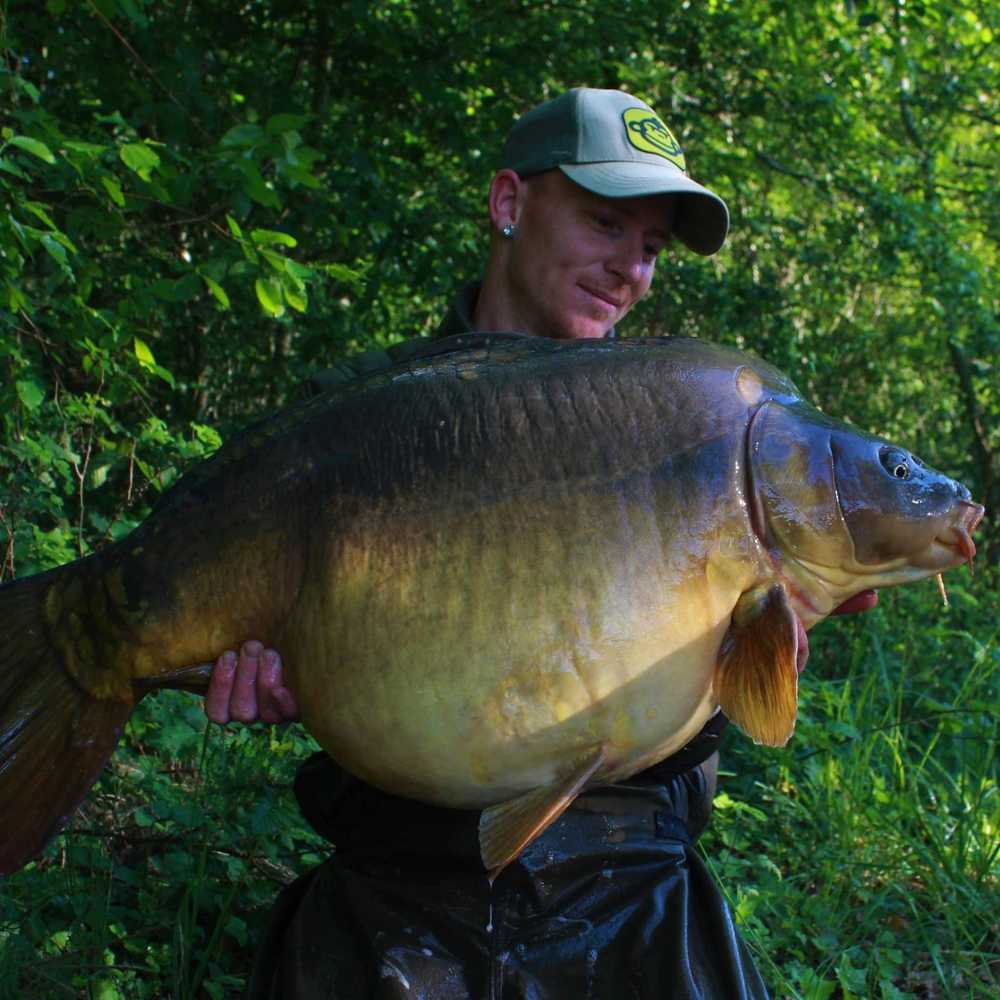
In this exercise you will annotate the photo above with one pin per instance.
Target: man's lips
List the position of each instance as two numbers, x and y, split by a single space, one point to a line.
606 297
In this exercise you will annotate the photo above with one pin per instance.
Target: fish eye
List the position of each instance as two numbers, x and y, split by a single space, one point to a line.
895 462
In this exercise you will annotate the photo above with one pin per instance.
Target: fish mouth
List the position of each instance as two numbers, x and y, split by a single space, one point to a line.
957 537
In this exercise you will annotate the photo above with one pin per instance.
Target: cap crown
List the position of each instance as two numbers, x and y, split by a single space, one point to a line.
585 125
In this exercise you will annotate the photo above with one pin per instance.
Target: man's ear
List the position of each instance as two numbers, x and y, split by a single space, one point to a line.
507 193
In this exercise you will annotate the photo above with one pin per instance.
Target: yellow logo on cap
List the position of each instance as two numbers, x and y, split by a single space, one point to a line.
647 133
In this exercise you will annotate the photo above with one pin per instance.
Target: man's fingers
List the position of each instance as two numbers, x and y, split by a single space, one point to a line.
220 687
287 705
243 705
276 702
248 686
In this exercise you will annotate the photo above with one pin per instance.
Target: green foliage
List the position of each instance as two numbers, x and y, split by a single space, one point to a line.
864 859
200 205
161 886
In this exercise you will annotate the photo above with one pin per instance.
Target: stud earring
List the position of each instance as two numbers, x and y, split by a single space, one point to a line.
509 230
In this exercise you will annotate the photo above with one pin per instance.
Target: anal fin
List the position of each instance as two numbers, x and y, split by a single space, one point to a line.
509 827
756 677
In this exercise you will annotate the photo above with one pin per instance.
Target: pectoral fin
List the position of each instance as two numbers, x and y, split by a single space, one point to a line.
506 829
756 679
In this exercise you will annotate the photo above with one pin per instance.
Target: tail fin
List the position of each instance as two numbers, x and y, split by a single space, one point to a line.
54 736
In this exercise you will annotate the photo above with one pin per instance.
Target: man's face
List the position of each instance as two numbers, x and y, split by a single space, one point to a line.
579 262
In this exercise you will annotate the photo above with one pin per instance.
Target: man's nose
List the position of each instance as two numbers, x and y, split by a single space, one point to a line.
628 262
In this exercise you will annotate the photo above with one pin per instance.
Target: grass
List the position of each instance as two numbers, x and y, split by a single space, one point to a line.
162 883
861 861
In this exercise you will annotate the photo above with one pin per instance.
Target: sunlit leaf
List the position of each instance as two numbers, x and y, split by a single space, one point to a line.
267 236
34 146
114 189
143 353
30 393
139 157
269 295
218 292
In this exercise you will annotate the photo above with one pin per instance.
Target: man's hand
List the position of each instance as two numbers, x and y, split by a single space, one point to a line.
248 687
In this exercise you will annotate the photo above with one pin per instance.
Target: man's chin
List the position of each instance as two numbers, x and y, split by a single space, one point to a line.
581 330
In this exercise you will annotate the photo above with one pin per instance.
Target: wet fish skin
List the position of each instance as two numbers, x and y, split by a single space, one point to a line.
498 571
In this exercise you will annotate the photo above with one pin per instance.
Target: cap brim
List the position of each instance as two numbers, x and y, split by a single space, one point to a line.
702 219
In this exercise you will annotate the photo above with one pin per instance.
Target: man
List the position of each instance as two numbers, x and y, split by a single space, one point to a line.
592 187
611 900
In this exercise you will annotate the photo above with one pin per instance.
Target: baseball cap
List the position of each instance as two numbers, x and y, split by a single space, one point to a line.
615 145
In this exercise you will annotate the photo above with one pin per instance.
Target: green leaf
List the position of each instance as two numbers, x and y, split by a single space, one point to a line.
34 146
114 189
16 301
207 435
255 187
295 294
160 372
242 136
30 393
90 149
218 292
99 474
139 157
234 227
38 210
55 249
269 295
297 270
187 288
12 168
300 176
133 13
27 87
267 236
286 123
275 259
341 272
143 353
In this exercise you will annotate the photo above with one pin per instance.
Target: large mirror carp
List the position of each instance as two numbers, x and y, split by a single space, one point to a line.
500 571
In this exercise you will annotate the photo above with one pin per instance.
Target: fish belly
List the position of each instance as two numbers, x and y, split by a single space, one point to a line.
466 658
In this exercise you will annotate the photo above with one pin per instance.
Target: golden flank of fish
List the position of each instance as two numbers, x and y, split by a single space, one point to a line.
501 571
